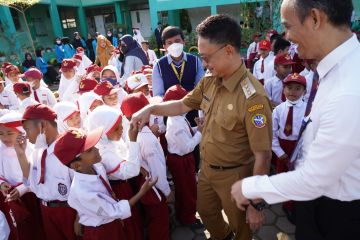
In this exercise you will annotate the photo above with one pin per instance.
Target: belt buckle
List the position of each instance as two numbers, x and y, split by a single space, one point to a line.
44 203
221 168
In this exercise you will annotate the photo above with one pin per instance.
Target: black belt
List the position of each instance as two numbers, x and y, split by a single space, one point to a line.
113 182
222 168
54 203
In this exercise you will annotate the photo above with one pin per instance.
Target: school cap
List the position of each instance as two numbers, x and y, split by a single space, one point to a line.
22 87
39 111
68 64
74 142
77 57
79 49
176 92
11 68
136 81
284 60
93 68
295 78
133 103
104 88
33 73
265 45
12 120
87 85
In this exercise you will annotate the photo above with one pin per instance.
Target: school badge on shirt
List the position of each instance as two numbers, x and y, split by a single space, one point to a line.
259 120
62 189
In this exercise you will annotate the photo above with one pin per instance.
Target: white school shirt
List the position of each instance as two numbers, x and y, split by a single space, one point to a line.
179 139
252 48
10 170
153 159
279 117
118 161
330 153
268 68
93 202
29 101
4 227
274 89
159 120
9 99
152 57
64 84
45 95
10 86
71 94
57 177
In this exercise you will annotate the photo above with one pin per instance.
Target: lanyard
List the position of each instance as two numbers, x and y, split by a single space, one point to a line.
179 77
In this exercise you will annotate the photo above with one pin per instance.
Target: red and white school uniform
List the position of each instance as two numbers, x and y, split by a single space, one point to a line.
97 206
154 201
286 128
64 85
44 96
23 104
182 140
53 192
274 89
9 100
121 163
264 68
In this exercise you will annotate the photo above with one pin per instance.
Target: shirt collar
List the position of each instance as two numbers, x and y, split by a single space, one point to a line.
50 148
89 177
336 56
231 83
170 60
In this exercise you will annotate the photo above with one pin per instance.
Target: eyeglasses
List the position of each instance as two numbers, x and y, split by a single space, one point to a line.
208 58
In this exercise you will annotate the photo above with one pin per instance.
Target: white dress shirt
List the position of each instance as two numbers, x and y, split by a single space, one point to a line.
179 139
118 161
10 170
4 227
9 100
274 89
153 159
45 96
57 177
279 117
330 153
268 68
253 48
93 202
29 101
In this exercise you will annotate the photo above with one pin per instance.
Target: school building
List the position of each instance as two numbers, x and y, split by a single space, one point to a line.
51 18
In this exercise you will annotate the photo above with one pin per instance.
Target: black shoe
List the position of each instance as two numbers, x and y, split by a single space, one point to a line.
196 225
290 215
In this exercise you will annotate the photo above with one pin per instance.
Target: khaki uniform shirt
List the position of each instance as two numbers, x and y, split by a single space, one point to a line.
237 118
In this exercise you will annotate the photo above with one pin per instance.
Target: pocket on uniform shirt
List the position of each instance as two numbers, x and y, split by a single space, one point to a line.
225 120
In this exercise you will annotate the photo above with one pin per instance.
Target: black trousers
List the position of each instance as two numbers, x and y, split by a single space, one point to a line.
327 219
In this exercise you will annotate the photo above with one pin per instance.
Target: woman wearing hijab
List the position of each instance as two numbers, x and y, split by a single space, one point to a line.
104 51
68 115
69 50
47 70
134 57
28 62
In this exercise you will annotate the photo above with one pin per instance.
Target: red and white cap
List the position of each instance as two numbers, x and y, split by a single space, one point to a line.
295 78
93 68
136 81
22 87
39 111
12 120
77 57
176 92
283 60
105 88
33 73
87 85
104 116
265 45
74 142
11 68
68 64
133 103
147 72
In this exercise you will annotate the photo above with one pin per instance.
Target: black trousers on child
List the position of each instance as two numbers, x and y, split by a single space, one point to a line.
327 219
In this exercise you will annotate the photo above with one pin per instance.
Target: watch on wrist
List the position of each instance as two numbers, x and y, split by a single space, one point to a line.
258 206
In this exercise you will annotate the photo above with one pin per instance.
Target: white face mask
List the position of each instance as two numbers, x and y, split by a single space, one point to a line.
58 42
175 49
295 102
40 141
109 34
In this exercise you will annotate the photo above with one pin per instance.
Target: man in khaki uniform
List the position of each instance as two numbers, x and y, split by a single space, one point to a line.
237 134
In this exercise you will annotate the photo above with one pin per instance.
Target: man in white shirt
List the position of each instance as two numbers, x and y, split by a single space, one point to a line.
262 68
150 54
328 162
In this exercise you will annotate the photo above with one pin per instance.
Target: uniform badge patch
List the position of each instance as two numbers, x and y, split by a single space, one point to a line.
255 107
62 189
259 120
230 107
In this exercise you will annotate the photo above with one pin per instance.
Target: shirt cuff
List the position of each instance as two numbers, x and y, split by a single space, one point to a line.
22 189
125 209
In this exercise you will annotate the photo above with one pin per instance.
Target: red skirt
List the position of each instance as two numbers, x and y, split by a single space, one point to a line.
132 225
182 168
112 230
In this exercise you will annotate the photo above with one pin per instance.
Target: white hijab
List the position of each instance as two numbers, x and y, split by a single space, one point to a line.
85 101
63 111
115 71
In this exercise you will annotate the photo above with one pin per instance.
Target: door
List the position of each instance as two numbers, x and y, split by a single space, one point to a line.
100 24
141 19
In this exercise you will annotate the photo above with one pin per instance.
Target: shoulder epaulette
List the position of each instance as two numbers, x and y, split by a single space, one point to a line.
248 87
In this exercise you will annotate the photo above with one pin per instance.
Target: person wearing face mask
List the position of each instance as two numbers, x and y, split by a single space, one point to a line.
44 174
78 41
59 50
138 36
287 119
134 57
41 94
112 38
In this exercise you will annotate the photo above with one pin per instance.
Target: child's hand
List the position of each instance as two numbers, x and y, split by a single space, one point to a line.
144 173
4 188
133 132
200 123
148 184
13 195
20 144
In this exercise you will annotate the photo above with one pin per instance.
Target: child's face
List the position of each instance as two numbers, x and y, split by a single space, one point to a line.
96 76
264 53
294 91
108 74
96 104
13 76
111 100
8 136
143 89
87 160
35 83
282 71
68 74
149 78
74 121
116 133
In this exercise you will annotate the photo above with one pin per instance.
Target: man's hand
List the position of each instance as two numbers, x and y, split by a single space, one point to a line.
141 117
254 218
237 196
4 188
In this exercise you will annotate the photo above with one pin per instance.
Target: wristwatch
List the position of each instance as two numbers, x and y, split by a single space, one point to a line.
258 206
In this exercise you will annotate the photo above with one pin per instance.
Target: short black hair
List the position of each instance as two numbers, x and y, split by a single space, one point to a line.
221 29
281 44
338 11
274 37
171 31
